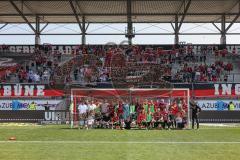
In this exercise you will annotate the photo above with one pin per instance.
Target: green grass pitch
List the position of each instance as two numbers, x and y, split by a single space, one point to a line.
61 143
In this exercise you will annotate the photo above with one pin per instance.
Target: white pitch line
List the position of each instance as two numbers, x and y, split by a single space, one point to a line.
115 142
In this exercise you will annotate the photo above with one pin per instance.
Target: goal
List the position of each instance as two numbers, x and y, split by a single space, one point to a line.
177 96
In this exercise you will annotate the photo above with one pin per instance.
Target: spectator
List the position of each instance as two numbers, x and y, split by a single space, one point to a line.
231 106
76 74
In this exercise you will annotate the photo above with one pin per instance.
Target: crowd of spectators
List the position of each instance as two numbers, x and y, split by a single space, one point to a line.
152 64
92 64
40 68
217 72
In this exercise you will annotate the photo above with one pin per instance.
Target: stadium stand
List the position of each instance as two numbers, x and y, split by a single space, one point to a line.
91 64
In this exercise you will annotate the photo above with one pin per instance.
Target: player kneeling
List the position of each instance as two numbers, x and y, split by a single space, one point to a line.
181 121
141 119
157 119
105 120
115 121
148 123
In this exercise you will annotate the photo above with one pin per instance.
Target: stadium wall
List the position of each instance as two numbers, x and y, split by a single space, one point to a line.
63 117
69 49
213 98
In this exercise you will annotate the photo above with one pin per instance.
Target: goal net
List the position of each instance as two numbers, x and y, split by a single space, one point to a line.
158 105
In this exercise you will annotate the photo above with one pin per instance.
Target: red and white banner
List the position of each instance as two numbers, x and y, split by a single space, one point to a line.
28 90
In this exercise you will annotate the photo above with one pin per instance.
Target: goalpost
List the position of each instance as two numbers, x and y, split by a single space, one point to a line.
169 96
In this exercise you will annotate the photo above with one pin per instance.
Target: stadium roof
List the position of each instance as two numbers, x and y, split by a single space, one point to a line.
115 11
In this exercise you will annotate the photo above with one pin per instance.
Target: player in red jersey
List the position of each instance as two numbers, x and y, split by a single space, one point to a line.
184 105
111 110
120 113
111 113
157 119
115 121
165 116
141 119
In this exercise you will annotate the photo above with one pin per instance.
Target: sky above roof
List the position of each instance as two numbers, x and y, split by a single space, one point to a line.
118 28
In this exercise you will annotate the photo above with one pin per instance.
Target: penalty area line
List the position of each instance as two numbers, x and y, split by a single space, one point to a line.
115 142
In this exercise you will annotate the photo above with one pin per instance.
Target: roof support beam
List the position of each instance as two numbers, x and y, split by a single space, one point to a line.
37 25
22 15
176 31
3 26
87 25
223 39
130 33
235 19
79 8
120 14
82 25
228 11
172 26
178 26
216 27
44 27
180 7
37 33
83 31
83 17
75 14
97 34
32 11
184 14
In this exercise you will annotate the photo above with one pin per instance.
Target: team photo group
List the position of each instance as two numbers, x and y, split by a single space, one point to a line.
139 114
